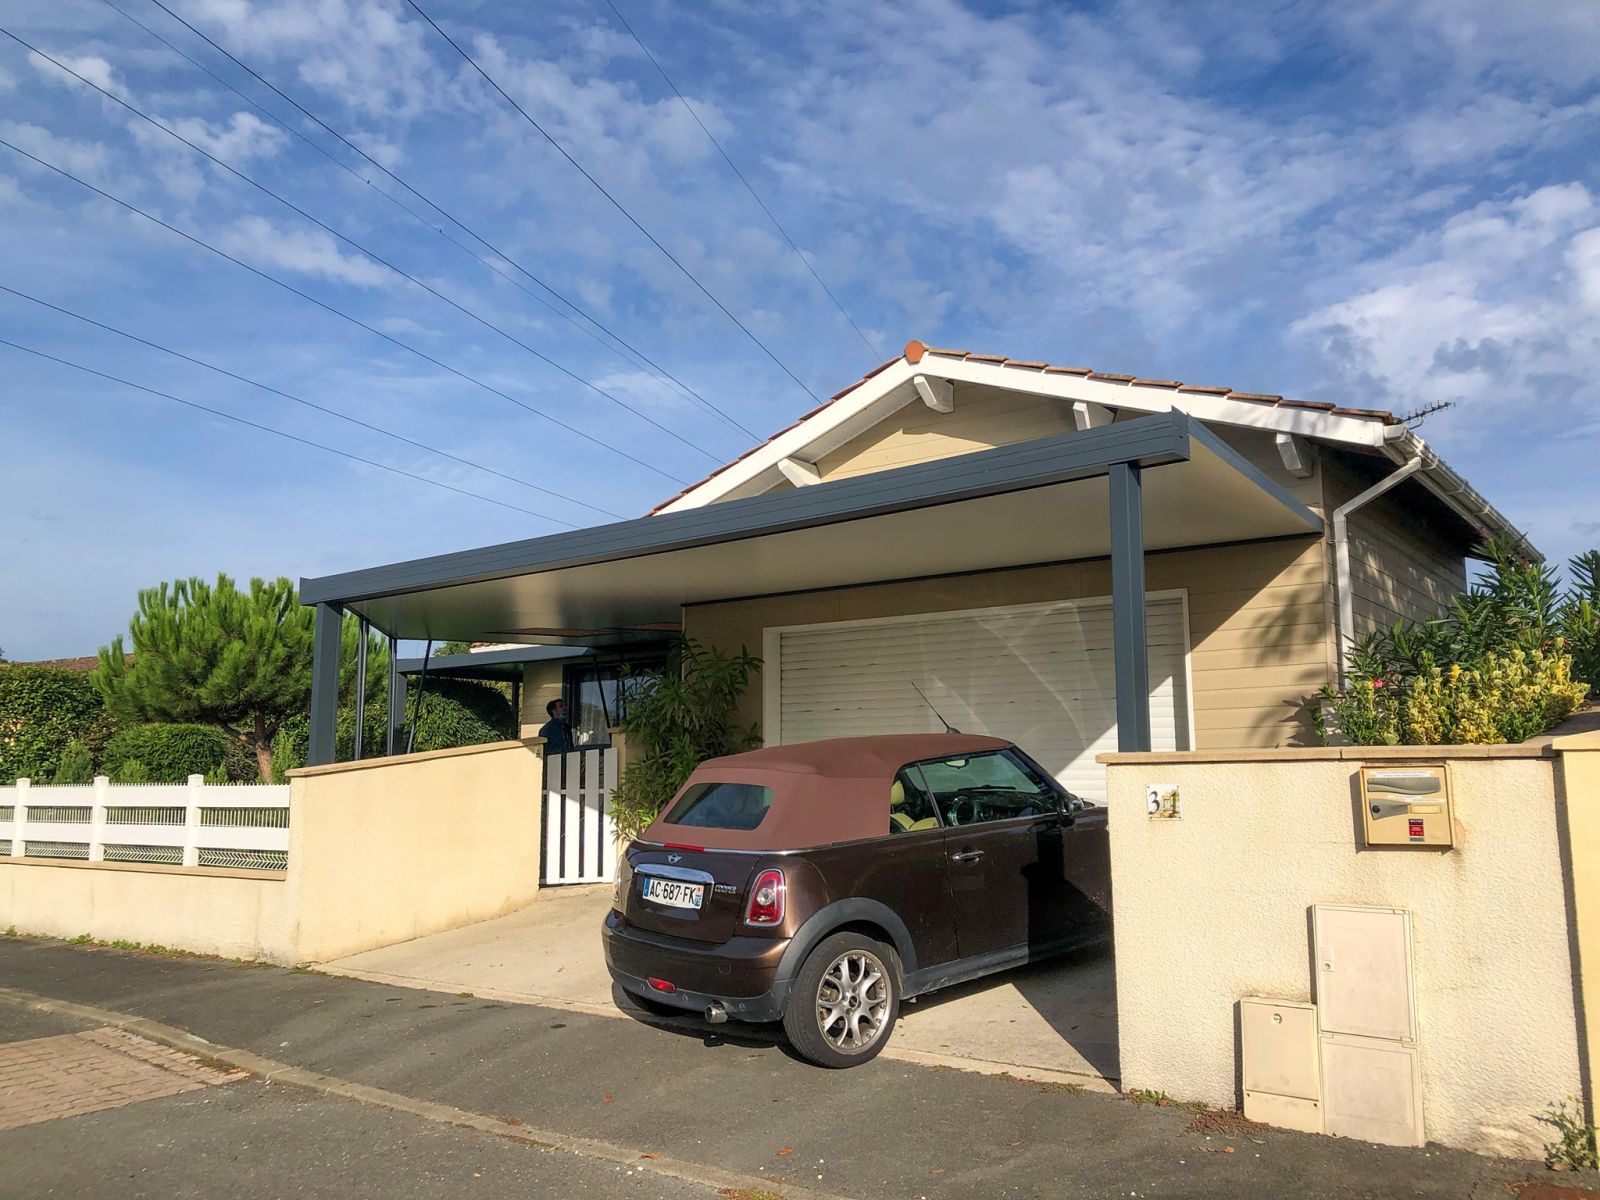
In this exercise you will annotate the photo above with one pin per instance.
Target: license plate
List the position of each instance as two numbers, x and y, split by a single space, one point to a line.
674 893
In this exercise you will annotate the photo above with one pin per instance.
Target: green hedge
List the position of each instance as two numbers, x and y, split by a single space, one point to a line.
42 710
165 753
454 713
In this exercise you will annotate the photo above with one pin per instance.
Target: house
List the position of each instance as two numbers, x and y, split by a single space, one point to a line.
979 527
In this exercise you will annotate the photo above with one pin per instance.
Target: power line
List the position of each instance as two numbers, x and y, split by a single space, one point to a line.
217 412
322 304
332 412
349 241
639 356
615 203
734 167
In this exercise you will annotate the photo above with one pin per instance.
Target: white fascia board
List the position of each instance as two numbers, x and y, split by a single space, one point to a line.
851 414
1440 478
1353 431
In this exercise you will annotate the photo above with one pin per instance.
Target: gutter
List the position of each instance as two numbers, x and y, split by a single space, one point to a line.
1402 445
1341 551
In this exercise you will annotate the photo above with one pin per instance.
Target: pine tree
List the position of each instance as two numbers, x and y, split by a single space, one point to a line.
213 654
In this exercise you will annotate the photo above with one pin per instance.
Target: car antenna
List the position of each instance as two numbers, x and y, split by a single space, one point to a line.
948 728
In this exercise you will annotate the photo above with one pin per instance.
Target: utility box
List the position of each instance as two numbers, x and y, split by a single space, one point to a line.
1407 806
1367 1024
1372 1089
1278 1050
1364 981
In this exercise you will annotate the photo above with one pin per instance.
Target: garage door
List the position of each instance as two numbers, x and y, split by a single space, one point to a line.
1039 675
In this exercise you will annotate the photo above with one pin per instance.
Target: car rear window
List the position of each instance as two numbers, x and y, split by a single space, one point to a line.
722 806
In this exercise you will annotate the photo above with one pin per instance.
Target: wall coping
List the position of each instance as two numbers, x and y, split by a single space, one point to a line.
399 760
1528 750
78 864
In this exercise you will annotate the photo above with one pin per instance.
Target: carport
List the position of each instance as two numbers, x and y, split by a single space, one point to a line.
1112 492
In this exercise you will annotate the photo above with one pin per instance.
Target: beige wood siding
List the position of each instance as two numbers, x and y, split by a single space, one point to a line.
983 418
541 683
1257 626
1403 565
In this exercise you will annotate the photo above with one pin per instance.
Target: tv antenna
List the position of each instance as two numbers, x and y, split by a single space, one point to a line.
948 728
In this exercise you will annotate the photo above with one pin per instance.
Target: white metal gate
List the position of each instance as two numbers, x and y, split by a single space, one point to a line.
580 839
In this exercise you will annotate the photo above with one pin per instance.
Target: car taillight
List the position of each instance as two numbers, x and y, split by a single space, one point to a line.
766 899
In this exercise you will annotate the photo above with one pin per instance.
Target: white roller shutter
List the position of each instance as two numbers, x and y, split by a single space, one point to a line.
1039 675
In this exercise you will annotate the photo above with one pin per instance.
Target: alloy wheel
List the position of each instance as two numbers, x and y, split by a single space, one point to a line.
853 1001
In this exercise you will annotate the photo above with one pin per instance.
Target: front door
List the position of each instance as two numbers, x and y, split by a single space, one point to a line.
1006 852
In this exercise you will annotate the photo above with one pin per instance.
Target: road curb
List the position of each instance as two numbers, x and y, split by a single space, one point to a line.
272 1071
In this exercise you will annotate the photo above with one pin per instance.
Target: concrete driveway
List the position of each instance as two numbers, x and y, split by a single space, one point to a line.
1053 1021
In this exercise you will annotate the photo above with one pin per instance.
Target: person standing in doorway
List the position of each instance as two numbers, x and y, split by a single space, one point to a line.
557 734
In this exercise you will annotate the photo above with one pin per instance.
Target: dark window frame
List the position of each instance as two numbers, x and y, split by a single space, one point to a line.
1060 798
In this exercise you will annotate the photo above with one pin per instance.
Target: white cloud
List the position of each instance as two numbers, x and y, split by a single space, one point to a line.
308 251
1478 312
242 138
80 157
91 66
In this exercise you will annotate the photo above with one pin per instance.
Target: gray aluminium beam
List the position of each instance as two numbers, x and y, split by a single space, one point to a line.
322 748
1131 647
1148 441
361 684
395 714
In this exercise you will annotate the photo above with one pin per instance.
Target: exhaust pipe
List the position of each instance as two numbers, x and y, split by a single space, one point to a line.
716 1014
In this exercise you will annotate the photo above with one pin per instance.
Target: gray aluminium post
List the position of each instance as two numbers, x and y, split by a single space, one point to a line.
361 684
397 700
324 685
1132 650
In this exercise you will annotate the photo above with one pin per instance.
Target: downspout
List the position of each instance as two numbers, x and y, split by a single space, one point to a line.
1341 553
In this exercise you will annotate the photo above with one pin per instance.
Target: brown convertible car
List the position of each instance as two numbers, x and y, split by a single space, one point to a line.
821 884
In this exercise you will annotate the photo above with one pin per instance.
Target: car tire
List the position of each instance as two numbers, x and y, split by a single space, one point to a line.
845 974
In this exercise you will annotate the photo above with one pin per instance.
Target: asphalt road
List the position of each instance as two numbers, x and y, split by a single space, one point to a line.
885 1131
256 1141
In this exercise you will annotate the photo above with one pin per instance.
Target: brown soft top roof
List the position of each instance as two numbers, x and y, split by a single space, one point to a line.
822 792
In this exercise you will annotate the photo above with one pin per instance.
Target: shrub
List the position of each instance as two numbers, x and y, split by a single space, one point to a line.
681 716
166 753
1498 667
76 765
454 712
42 710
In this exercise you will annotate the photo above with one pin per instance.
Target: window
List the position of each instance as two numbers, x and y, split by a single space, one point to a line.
722 806
911 809
993 786
597 697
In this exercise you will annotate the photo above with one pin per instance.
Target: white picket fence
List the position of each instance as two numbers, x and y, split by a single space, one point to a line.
580 838
193 824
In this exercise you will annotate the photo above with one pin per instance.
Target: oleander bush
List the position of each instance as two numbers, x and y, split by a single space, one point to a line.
1512 657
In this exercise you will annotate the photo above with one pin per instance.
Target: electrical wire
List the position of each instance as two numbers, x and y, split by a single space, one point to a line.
734 167
615 203
322 408
217 412
639 357
325 306
355 245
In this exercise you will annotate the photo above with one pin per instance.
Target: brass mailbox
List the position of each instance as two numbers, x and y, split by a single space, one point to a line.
1407 806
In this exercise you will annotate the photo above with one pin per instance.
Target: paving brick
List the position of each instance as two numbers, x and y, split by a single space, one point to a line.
44 1079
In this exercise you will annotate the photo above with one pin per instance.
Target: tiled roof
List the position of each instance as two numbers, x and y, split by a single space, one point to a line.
86 664
915 351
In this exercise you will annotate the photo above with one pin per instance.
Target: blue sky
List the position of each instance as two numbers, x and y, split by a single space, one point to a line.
1377 203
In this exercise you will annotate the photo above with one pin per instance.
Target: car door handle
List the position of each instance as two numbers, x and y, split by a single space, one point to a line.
967 856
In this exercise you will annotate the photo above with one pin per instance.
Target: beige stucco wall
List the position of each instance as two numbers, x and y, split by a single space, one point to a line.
380 851
1580 802
236 914
1215 906
1259 639
385 850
